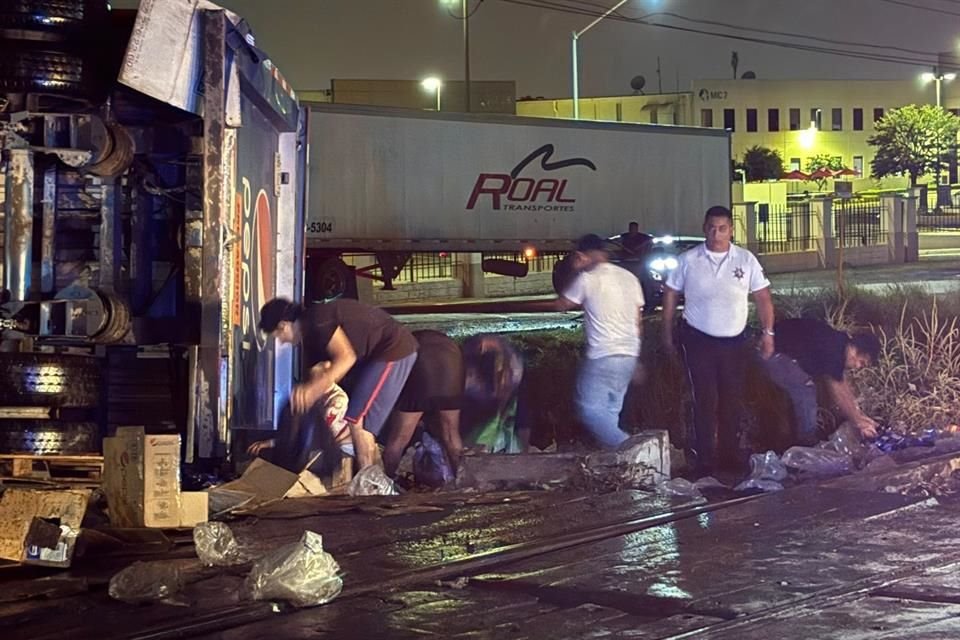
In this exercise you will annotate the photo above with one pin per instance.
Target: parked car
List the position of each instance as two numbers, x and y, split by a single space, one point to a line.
651 261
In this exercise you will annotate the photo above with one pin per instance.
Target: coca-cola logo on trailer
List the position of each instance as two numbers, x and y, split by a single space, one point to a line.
257 254
515 192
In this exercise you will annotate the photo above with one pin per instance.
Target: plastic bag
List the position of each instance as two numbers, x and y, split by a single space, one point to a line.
847 440
430 465
301 573
767 466
762 484
709 482
372 481
216 545
679 487
146 582
766 473
819 462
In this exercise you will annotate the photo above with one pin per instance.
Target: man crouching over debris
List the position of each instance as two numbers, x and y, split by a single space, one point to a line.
807 349
351 336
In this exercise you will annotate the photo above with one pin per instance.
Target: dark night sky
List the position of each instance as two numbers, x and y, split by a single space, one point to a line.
315 40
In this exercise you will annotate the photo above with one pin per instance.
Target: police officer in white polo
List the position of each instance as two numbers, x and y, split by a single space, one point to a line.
716 278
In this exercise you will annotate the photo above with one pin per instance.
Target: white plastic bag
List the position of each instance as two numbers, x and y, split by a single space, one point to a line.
216 545
372 481
301 573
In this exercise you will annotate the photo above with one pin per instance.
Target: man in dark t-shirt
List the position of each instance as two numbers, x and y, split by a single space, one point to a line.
340 337
808 349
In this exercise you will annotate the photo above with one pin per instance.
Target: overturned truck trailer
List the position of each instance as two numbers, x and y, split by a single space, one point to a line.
384 184
151 165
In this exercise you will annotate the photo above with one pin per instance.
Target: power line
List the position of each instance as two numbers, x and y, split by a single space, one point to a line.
561 7
921 7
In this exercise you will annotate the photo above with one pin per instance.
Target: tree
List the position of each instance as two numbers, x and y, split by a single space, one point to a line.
762 163
824 161
913 141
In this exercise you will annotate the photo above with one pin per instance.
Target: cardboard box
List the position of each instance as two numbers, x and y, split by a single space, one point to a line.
141 479
40 526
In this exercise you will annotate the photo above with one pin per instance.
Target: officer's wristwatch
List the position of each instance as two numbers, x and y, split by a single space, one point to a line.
769 332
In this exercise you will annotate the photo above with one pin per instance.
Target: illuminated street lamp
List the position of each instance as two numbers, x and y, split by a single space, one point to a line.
433 84
938 77
574 62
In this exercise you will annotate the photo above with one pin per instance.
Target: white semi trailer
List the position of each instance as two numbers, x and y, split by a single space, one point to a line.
388 183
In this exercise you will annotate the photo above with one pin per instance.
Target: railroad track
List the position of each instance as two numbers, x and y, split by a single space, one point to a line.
223 619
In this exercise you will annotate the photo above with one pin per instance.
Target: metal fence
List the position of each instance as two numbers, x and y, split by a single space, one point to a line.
786 229
541 263
860 223
946 217
427 266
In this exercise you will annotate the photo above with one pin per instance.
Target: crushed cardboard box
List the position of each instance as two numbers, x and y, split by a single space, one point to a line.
141 479
40 526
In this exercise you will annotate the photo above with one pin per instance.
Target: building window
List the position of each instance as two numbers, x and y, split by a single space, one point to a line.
858 165
836 119
858 119
816 118
878 114
794 119
706 117
751 120
729 120
773 119
794 164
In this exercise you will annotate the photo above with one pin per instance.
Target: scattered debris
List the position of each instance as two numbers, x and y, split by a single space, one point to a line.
372 481
217 546
41 526
767 471
430 465
146 582
301 573
817 462
680 488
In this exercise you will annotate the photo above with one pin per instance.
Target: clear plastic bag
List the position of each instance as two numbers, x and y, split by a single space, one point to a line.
301 573
216 545
818 462
767 466
680 488
709 482
762 484
847 440
146 582
372 481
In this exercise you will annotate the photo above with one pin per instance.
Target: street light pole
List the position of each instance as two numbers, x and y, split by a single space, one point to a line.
466 51
938 77
574 61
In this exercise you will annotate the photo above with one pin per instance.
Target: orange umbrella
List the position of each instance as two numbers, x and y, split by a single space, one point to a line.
796 174
845 172
821 173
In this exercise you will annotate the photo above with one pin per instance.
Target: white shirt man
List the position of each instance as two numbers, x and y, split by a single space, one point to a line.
716 278
612 300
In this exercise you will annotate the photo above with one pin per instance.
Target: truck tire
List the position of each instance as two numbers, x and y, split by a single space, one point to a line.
329 279
42 438
49 380
27 68
563 274
52 16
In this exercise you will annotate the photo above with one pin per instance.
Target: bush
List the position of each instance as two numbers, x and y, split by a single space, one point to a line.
915 385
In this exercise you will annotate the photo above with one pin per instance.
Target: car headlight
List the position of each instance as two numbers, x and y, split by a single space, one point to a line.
664 264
